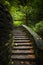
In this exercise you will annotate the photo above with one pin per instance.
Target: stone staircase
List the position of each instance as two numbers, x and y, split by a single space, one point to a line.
23 49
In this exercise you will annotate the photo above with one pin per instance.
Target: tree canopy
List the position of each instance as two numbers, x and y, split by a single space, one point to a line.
29 12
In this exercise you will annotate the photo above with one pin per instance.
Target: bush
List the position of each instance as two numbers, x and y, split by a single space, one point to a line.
39 28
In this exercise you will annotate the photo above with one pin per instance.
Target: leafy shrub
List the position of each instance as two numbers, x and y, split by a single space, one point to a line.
39 26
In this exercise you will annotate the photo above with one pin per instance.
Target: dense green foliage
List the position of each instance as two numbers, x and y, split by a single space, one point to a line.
29 12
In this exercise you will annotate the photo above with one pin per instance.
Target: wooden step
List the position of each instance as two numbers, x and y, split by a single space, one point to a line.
23 57
23 51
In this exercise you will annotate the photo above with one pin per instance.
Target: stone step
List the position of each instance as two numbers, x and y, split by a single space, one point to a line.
23 57
23 51
17 41
22 44
21 38
22 62
23 47
19 34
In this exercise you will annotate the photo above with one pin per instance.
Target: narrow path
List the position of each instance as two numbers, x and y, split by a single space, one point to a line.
23 49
